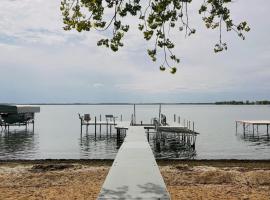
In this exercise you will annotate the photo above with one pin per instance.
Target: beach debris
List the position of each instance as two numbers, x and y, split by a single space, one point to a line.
50 167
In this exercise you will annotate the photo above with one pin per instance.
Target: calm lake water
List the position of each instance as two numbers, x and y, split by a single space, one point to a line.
57 133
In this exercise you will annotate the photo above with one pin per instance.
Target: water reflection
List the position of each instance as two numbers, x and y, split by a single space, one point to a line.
164 145
103 146
173 145
17 144
255 139
254 135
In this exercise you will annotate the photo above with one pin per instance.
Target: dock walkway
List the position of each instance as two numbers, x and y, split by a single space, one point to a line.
134 173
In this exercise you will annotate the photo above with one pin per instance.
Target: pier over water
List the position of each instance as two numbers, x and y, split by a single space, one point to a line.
134 173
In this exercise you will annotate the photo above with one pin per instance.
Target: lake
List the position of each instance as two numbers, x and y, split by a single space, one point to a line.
57 132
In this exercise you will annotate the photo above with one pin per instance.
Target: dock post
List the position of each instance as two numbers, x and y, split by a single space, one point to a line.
267 128
118 130
159 115
107 127
81 121
134 116
244 128
118 134
236 127
174 117
95 127
33 126
193 126
253 129
110 129
100 126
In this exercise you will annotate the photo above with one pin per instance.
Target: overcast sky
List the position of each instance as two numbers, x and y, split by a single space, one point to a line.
39 62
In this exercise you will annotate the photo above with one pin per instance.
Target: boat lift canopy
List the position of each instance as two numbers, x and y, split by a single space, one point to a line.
16 109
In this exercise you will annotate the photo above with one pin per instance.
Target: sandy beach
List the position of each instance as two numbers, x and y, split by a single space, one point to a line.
71 179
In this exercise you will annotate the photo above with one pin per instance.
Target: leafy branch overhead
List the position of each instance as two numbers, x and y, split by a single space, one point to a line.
157 18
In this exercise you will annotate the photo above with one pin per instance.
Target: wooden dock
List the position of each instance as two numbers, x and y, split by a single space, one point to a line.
134 173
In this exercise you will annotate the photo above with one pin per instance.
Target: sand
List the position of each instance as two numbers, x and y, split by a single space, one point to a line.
66 180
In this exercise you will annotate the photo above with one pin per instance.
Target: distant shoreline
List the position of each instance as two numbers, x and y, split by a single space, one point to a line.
120 104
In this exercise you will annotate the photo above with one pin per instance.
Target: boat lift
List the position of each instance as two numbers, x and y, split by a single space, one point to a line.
17 115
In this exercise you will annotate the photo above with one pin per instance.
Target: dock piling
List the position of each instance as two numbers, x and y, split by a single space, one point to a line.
100 127
95 127
110 129
107 127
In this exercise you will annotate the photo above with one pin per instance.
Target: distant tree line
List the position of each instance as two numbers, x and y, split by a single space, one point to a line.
263 102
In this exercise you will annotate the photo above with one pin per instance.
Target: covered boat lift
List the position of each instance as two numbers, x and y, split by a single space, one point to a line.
17 115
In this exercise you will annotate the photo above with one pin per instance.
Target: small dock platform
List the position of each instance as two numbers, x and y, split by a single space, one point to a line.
134 173
254 123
